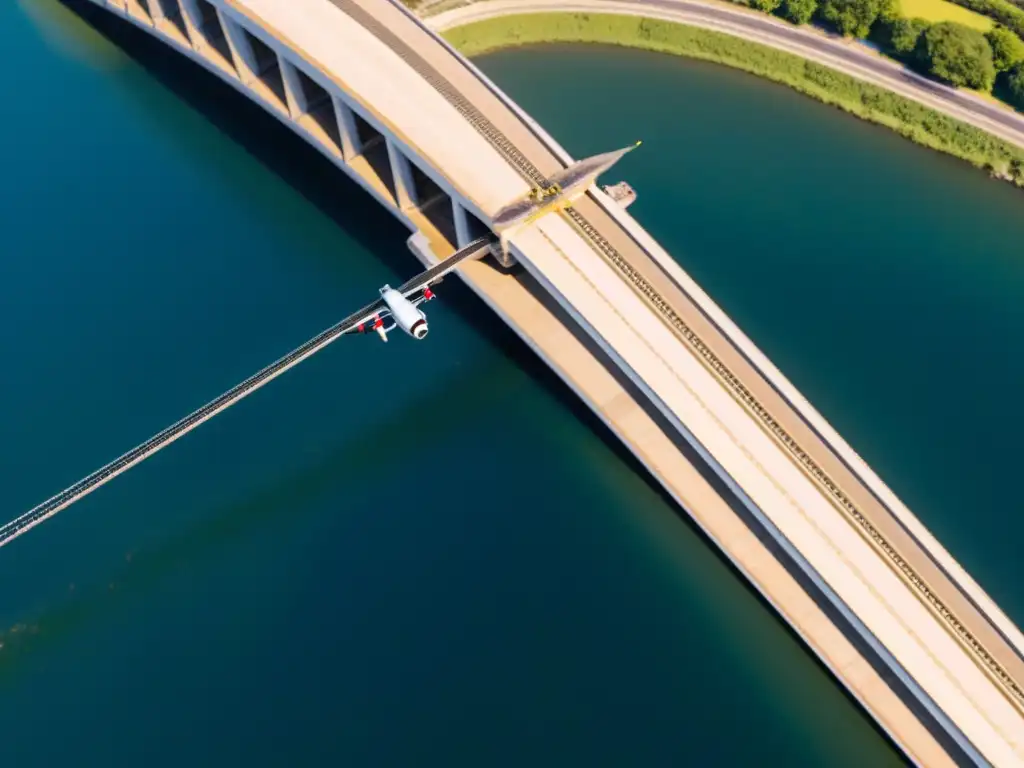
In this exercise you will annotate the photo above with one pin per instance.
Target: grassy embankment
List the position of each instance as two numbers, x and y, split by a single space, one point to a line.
912 120
942 10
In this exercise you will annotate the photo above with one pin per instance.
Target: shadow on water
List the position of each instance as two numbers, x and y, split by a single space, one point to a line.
306 171
269 505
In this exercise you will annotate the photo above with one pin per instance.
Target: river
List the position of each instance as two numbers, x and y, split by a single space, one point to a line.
429 553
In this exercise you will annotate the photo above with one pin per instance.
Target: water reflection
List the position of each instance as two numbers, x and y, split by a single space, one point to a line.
68 35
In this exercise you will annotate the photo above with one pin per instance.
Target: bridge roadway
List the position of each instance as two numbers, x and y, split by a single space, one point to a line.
669 373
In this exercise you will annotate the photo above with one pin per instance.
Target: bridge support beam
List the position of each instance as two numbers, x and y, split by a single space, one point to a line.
461 216
193 19
168 21
351 145
294 94
139 10
401 172
241 50
468 228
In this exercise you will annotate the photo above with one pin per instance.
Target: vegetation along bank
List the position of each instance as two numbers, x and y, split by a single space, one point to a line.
909 118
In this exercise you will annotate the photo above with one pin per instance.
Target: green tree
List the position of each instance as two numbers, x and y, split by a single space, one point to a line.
1015 86
904 35
799 11
854 18
765 5
957 54
1007 48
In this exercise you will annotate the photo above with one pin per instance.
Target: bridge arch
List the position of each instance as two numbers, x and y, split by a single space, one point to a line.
231 39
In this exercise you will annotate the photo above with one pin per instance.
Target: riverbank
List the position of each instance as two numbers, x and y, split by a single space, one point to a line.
907 117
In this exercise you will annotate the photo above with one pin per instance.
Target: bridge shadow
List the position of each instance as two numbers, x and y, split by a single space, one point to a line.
285 499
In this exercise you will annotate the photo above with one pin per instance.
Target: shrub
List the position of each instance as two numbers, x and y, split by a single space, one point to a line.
854 18
799 11
958 55
765 5
1007 48
1015 86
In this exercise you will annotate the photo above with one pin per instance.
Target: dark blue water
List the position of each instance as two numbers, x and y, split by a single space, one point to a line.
419 553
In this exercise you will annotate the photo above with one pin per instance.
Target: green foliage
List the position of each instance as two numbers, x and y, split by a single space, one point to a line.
765 5
1015 86
909 118
1000 10
854 18
799 11
904 35
958 55
1007 48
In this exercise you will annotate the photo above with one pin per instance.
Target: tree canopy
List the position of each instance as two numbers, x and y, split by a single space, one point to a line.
1007 48
904 35
765 5
957 54
1015 86
854 18
799 11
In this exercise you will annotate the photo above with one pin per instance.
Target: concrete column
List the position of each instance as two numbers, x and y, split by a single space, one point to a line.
186 29
193 19
190 10
138 11
347 130
296 97
241 50
462 230
401 170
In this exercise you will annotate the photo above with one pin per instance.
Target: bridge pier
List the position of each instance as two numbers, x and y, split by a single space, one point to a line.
192 17
468 228
139 9
351 145
401 173
241 49
207 33
461 216
294 95
167 19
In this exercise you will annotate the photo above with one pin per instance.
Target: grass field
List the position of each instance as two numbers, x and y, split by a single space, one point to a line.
908 118
942 10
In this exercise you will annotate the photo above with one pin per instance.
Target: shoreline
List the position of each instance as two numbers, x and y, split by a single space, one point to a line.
921 124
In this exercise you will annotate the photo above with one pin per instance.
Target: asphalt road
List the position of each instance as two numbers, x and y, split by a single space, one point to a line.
831 51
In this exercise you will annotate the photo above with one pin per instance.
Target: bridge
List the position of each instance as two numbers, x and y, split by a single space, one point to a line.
893 616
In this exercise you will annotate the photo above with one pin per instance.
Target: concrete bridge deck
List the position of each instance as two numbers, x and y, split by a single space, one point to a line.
639 341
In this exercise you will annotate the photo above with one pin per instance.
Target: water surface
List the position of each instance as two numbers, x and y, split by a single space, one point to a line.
427 553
